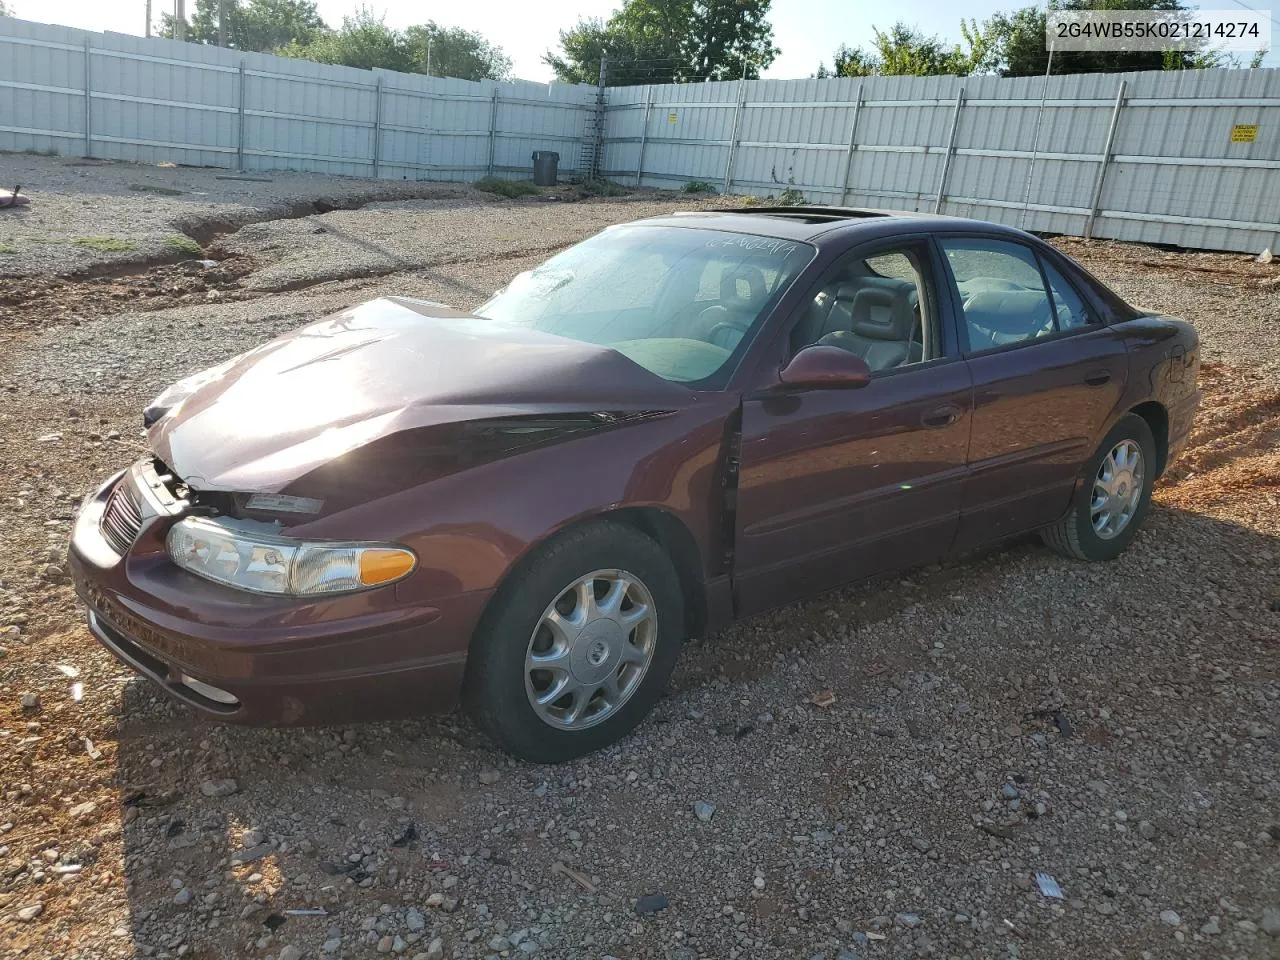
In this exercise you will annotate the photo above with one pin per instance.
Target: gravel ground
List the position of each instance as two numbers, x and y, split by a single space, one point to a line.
878 773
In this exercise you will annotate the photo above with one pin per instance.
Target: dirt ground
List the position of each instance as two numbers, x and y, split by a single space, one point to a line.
1003 715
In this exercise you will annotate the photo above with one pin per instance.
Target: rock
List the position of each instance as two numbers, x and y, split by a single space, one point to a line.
651 903
414 920
908 919
290 952
219 788
82 811
252 854
499 944
398 945
435 949
921 844
30 701
332 945
1270 922
1010 791
384 945
1146 830
27 914
183 896
1211 929
704 811
251 838
489 777
1170 917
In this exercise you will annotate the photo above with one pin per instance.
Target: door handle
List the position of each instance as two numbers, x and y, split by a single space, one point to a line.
942 416
1097 379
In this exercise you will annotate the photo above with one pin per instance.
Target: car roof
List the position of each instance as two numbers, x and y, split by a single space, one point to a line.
814 223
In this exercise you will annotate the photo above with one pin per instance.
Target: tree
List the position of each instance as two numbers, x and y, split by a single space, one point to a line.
259 26
666 41
1019 40
5 11
366 41
454 52
905 51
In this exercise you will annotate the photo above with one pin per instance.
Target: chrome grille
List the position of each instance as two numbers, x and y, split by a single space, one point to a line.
122 518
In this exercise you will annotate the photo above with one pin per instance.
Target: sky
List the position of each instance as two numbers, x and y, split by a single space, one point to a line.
807 31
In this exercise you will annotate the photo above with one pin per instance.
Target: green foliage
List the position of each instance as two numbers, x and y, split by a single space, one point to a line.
600 187
506 188
455 52
698 186
105 244
1011 43
366 41
1018 39
184 245
259 26
7 247
668 41
904 51
791 197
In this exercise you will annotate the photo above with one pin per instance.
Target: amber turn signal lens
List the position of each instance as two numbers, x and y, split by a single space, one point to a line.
382 566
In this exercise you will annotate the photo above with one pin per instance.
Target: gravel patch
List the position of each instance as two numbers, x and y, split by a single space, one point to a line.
880 772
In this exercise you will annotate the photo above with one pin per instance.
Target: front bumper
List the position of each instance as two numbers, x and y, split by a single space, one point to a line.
247 658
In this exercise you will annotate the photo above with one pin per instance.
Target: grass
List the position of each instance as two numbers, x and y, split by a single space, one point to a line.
105 244
506 188
699 186
603 188
161 191
791 197
7 248
184 245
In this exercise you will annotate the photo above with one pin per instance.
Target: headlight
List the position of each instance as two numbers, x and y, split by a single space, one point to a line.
263 563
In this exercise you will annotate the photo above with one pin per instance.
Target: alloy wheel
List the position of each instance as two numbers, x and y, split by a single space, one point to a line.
591 649
1117 490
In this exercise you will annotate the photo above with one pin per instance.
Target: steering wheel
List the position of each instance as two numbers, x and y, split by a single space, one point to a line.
728 325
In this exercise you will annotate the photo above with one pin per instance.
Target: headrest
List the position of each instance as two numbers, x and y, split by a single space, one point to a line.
732 284
883 314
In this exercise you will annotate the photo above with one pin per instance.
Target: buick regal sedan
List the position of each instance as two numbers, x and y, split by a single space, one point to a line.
677 423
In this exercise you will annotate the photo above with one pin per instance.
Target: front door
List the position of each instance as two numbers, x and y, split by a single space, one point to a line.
1047 375
839 484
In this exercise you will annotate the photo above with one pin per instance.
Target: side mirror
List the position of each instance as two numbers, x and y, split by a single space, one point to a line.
825 367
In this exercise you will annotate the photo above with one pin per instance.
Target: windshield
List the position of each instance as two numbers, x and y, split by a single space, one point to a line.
679 302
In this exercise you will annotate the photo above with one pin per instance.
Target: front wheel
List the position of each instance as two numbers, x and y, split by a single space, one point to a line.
578 645
1113 498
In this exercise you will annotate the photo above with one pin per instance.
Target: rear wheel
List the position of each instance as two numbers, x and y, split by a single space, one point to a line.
578 645
1112 499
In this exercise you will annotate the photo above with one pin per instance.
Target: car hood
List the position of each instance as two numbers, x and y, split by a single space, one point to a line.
271 415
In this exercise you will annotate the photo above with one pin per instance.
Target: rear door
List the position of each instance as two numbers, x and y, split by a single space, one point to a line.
1047 374
838 484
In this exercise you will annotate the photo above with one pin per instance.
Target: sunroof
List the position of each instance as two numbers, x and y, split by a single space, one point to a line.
814 214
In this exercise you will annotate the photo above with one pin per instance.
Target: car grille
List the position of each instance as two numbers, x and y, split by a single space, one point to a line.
122 518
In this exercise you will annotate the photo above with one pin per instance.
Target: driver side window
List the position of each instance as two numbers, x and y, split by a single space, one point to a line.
1001 290
877 307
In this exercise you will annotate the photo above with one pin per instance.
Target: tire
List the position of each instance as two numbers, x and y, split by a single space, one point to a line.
1075 534
499 690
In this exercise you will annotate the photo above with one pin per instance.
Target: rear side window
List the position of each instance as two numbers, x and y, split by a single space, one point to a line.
1001 290
1070 309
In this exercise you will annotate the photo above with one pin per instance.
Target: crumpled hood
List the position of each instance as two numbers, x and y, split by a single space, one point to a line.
268 416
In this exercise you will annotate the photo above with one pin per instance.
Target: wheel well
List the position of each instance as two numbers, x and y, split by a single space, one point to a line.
674 537
1157 418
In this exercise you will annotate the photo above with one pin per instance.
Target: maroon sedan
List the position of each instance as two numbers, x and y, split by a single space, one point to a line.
674 424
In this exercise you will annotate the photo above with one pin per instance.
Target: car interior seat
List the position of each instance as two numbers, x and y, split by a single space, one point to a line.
879 322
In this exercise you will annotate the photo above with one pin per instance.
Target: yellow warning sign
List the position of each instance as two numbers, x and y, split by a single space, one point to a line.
1244 133
671 118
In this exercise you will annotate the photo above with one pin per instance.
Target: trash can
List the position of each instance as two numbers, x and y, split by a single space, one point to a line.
546 164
